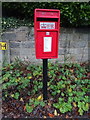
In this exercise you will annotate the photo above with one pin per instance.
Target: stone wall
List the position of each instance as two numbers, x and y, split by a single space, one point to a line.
73 45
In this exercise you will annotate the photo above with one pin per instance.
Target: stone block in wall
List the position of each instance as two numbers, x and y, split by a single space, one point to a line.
69 36
31 59
83 37
22 29
79 37
78 44
66 30
63 37
31 31
63 51
25 52
33 51
11 36
62 30
84 50
28 44
64 43
76 37
22 33
78 50
31 34
76 58
73 40
73 51
81 57
65 40
82 30
85 58
14 44
14 51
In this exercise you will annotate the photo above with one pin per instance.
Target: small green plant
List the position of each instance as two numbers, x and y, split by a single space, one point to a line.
34 103
82 107
63 106
68 85
16 95
29 108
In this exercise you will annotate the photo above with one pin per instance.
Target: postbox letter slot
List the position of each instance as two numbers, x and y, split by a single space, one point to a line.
47 19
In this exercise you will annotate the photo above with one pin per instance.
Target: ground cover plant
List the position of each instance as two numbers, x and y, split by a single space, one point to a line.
68 89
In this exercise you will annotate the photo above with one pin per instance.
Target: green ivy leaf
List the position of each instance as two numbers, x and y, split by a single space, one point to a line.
29 108
80 111
16 95
42 103
62 94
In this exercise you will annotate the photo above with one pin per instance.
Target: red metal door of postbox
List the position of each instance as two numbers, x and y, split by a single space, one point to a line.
49 41
46 33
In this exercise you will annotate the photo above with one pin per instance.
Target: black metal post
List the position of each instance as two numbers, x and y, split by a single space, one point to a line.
45 77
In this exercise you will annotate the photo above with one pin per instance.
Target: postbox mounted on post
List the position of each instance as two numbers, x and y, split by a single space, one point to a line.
46 27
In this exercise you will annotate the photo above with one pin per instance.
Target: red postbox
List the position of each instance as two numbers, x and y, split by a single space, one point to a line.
46 27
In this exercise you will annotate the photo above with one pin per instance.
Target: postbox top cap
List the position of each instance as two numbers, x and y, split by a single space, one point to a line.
47 13
37 9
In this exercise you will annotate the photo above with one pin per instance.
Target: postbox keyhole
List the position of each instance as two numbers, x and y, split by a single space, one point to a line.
47 33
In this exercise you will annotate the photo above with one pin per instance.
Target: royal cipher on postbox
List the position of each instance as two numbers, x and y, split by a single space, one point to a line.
46 29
